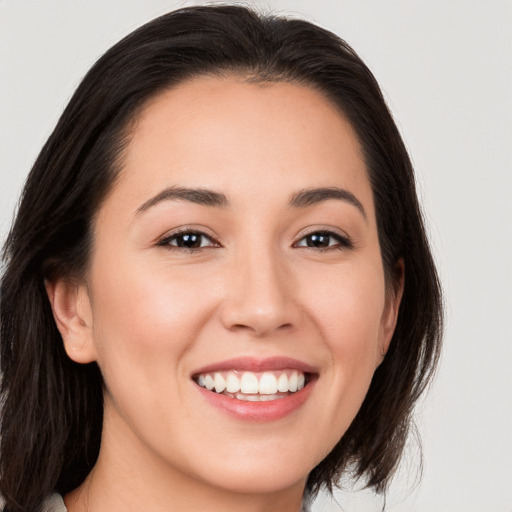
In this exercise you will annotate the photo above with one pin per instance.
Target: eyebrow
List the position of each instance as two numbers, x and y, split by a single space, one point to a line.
310 196
301 199
192 195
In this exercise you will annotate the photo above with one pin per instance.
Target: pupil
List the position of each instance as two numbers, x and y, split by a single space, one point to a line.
190 240
318 240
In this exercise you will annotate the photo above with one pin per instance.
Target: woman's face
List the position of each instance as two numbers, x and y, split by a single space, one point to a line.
238 248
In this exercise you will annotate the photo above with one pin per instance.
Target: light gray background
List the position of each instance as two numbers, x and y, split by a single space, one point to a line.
446 69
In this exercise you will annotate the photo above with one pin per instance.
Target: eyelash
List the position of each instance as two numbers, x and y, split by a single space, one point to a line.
341 241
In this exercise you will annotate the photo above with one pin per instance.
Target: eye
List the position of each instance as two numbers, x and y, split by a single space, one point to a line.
324 240
188 240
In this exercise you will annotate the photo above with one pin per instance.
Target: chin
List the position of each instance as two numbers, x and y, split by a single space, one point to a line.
260 474
260 482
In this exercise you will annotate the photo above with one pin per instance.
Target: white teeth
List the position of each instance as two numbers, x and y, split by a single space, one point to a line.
251 386
258 398
220 383
232 383
293 381
208 382
268 384
282 383
249 383
301 381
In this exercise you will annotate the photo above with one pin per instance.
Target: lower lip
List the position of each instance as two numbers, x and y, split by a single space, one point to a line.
259 412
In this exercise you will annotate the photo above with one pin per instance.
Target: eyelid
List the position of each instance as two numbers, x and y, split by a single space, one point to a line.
309 230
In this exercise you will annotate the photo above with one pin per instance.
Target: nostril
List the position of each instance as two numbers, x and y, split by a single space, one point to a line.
259 330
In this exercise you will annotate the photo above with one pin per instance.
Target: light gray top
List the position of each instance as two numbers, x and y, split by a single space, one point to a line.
54 503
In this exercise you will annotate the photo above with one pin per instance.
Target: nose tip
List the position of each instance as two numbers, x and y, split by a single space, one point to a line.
256 321
259 300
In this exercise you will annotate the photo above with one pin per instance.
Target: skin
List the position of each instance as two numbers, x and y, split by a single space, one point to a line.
152 314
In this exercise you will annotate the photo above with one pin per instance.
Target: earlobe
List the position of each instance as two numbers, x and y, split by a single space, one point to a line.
73 315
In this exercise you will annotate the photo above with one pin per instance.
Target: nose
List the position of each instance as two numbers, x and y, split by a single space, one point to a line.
259 296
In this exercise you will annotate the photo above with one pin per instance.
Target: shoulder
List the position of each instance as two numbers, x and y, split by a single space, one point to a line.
54 503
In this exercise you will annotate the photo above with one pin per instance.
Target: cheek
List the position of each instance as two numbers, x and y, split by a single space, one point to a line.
145 319
347 311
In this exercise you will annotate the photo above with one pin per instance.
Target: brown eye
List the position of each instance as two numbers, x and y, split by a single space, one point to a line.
188 240
324 240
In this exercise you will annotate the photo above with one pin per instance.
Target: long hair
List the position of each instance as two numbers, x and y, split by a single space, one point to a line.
52 408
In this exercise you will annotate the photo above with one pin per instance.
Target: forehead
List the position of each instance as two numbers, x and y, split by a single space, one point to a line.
226 133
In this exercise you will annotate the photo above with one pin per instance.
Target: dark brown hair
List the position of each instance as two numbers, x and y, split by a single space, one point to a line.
52 408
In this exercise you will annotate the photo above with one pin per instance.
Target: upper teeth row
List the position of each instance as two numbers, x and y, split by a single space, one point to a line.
266 383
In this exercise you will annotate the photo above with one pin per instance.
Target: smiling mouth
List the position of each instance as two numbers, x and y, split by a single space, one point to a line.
254 386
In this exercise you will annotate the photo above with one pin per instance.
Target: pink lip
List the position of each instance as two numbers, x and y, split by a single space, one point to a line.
259 412
252 364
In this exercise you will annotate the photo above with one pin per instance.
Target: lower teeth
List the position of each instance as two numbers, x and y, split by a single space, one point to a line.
256 398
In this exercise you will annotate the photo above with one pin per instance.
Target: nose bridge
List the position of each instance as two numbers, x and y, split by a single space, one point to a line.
259 298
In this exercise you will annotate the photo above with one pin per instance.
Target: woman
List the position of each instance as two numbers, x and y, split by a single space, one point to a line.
218 292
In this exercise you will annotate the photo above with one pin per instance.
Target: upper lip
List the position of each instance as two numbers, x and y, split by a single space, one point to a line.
253 364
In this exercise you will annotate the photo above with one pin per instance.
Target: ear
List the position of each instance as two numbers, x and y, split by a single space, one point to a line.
390 314
72 311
